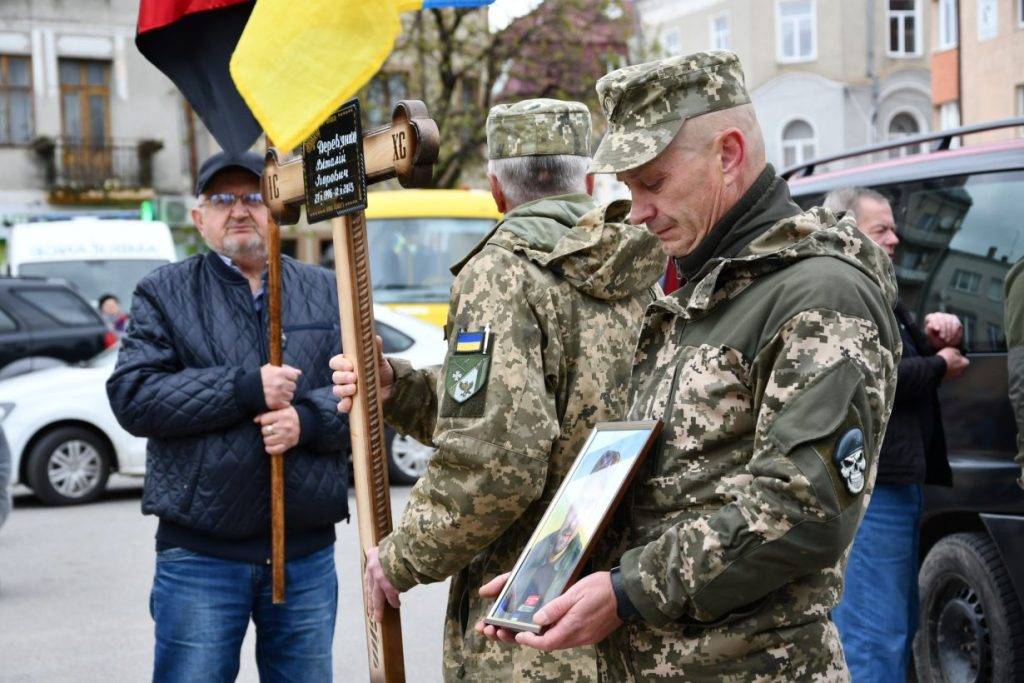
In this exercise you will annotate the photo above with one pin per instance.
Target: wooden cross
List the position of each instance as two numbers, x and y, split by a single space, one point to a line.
407 150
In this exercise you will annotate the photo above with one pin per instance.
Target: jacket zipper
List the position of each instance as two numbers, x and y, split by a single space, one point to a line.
262 318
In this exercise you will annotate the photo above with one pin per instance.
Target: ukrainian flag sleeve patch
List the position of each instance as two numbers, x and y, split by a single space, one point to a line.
470 342
465 374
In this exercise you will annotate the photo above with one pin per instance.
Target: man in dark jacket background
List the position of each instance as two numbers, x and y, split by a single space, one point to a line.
193 378
877 616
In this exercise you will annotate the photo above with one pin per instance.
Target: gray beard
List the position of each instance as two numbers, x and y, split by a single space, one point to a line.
250 249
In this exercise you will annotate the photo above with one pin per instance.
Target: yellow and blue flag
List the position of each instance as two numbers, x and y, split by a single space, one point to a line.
297 62
470 342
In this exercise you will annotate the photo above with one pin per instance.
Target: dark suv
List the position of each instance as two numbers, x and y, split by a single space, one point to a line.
960 214
45 323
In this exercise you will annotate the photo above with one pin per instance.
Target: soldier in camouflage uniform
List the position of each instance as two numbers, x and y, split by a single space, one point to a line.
543 319
773 369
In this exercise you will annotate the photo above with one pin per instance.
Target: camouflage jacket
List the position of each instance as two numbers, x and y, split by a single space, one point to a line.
561 304
765 367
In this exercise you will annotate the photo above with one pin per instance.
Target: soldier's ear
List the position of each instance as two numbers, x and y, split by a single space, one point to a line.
733 154
497 193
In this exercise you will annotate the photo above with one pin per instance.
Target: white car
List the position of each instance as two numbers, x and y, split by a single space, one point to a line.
65 441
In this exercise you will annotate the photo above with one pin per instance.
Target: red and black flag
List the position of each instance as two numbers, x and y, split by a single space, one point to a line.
294 61
191 41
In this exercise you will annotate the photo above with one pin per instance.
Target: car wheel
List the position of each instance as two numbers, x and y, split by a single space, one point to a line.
407 457
69 465
972 627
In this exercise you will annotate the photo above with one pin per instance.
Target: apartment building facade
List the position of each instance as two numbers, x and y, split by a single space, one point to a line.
86 123
978 64
824 75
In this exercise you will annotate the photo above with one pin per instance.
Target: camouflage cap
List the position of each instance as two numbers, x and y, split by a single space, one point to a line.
646 104
538 127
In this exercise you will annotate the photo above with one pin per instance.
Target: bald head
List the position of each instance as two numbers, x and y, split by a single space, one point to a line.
699 134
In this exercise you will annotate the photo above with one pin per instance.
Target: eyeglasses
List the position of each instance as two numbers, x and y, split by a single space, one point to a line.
225 200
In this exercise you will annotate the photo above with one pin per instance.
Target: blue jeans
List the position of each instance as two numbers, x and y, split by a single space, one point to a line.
202 605
878 615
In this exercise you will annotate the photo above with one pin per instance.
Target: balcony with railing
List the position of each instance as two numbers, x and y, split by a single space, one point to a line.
80 169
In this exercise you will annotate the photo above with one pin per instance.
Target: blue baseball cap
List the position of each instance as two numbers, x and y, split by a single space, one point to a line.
247 161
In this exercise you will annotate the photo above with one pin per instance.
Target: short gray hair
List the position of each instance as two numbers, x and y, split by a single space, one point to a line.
847 199
527 179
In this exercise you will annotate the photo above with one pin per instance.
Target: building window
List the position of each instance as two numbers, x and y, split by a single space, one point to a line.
988 19
995 335
966 281
672 42
995 290
903 125
15 100
796 34
799 144
949 118
85 101
1020 105
1019 96
720 36
1020 13
948 36
904 27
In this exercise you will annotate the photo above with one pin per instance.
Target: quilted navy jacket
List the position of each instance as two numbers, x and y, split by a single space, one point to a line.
188 379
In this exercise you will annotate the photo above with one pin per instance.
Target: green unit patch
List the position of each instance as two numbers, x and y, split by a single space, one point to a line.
466 375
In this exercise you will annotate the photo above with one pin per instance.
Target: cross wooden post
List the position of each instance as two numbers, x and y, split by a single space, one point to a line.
407 150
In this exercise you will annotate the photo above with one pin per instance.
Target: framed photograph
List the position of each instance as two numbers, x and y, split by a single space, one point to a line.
576 517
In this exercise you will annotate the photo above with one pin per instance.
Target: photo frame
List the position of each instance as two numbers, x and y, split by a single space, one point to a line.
578 514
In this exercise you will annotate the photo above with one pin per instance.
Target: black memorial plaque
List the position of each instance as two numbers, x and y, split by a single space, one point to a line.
335 175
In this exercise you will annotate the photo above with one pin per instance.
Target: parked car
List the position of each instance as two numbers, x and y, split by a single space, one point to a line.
44 323
423 345
65 441
960 229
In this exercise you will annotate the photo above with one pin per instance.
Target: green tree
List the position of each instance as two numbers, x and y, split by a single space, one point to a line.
453 61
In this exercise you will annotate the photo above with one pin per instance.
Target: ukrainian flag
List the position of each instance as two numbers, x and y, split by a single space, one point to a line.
297 62
469 342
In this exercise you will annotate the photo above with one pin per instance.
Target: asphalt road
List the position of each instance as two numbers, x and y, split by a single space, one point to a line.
74 597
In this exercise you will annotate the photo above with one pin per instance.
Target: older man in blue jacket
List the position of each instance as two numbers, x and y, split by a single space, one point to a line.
193 377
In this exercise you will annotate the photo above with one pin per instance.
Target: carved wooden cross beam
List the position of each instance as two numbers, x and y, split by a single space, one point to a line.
407 150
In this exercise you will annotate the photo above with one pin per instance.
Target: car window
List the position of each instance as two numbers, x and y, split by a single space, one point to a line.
958 238
7 323
410 258
93 279
393 340
59 305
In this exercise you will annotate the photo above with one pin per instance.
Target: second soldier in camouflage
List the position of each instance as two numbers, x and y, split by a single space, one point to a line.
542 323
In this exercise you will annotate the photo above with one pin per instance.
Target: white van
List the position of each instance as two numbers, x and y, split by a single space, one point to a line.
97 256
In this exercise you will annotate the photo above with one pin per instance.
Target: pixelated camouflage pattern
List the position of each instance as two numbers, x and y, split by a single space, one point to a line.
537 128
646 104
564 302
733 541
